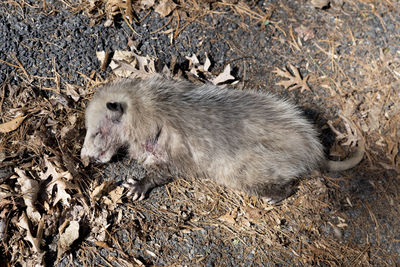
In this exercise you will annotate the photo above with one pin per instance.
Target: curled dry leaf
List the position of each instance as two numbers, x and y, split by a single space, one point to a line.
12 124
224 76
129 64
101 56
145 4
320 3
207 64
295 80
114 6
193 61
145 64
327 3
165 7
351 132
24 224
95 194
72 92
126 57
114 198
70 234
29 192
195 67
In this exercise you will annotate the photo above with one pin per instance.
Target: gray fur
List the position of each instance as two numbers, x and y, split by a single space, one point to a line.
246 140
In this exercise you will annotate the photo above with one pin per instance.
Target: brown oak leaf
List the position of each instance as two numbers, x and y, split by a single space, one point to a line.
295 80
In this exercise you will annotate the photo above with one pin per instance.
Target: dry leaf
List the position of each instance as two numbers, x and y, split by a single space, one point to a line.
195 67
166 72
306 33
128 64
229 217
295 80
24 224
199 70
12 124
123 56
145 63
151 253
254 214
114 198
72 92
146 4
72 120
224 76
70 234
95 194
29 192
320 3
351 132
61 179
327 3
207 64
108 23
101 55
99 226
193 64
165 7
193 61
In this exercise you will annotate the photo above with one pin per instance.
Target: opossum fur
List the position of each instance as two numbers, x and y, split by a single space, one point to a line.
246 140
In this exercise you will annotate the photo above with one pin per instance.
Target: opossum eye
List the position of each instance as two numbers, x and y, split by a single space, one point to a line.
116 111
114 106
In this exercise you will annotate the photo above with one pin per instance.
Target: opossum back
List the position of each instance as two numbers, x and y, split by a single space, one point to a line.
225 124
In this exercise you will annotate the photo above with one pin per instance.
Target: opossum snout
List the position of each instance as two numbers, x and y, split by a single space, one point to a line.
98 156
85 158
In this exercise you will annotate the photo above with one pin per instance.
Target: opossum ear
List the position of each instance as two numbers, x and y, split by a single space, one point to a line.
117 110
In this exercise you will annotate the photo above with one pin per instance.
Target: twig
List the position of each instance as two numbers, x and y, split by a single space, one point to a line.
20 66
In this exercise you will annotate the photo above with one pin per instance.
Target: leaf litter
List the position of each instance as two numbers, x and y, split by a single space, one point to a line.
128 64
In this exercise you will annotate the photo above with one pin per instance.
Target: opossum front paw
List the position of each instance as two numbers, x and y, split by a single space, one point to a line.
136 188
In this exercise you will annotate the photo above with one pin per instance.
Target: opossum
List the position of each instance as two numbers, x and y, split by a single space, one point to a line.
246 140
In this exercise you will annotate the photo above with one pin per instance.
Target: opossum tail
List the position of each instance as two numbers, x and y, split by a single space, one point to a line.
349 163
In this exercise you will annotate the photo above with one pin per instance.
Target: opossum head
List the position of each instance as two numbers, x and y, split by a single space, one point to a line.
105 131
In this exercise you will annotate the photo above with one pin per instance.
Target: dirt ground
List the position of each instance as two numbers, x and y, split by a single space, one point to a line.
55 211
